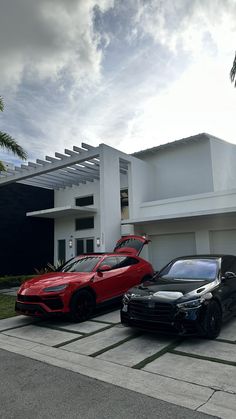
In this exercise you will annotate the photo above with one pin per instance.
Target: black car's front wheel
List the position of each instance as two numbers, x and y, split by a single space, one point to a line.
82 306
212 320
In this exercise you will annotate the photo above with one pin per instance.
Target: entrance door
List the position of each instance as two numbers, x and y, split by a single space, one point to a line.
84 246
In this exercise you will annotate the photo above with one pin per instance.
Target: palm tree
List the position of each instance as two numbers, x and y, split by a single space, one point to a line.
7 142
233 72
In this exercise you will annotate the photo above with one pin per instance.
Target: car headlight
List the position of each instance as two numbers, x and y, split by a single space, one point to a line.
56 288
192 304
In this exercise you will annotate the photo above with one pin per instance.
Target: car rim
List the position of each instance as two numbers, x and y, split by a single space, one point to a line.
214 322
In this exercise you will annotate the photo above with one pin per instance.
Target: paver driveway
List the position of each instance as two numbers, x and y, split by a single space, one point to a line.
193 373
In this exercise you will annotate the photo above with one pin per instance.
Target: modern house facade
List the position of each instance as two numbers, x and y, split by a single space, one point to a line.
182 195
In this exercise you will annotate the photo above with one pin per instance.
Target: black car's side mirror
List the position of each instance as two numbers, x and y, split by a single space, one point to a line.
228 275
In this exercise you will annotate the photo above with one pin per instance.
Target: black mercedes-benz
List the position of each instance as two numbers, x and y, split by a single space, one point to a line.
190 295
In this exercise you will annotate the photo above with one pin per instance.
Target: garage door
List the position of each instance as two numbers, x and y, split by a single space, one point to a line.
165 247
223 241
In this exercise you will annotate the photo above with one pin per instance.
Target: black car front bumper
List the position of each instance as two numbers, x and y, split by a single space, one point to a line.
165 318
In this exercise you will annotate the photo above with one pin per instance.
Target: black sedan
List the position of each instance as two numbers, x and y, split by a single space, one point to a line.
190 295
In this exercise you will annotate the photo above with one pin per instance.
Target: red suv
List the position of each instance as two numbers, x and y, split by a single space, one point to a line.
85 281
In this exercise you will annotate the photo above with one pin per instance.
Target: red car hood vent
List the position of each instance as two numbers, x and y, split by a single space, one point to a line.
131 245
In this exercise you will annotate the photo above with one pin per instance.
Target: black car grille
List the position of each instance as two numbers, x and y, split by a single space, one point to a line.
28 298
149 310
53 303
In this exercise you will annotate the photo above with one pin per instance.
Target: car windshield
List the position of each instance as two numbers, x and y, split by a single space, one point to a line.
85 264
190 269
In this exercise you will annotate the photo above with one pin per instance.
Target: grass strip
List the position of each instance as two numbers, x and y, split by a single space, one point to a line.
203 357
157 355
7 306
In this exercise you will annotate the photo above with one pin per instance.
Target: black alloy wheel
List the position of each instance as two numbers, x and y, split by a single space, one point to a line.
212 320
82 306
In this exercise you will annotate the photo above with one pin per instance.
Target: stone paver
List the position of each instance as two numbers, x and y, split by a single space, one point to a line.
136 350
209 348
92 344
207 373
168 389
228 331
6 341
221 404
16 321
183 379
84 327
41 335
113 317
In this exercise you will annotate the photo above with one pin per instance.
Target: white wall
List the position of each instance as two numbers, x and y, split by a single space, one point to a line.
223 164
64 227
140 178
181 169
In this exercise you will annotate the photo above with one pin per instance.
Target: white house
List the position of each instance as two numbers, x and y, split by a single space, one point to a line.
182 195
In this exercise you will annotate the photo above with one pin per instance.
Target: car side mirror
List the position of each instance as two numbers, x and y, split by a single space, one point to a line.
229 275
104 268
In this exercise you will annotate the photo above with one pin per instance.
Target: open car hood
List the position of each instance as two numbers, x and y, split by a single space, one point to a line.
131 244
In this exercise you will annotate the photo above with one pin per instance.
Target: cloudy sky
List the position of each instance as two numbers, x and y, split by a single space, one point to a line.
130 73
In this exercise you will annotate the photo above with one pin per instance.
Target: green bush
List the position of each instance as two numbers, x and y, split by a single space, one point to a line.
13 281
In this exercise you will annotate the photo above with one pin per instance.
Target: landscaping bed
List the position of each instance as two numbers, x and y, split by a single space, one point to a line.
13 281
7 306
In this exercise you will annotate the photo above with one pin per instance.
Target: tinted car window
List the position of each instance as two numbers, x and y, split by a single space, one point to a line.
110 261
122 262
86 264
191 269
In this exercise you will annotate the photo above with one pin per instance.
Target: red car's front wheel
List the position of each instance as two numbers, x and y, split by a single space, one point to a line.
82 306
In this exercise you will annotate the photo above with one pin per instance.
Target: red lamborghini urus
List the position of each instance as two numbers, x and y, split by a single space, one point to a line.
85 281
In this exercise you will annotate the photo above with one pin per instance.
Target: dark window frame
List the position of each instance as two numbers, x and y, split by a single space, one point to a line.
84 201
85 223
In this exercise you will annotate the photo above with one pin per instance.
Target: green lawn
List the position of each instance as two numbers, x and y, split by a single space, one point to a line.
7 306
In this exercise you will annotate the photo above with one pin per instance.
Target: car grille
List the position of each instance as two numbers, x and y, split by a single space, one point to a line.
28 298
149 310
53 303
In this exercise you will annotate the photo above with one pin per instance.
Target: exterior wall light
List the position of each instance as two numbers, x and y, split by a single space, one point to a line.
98 241
71 242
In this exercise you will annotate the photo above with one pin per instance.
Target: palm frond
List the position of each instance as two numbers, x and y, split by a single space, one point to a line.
7 142
233 72
1 104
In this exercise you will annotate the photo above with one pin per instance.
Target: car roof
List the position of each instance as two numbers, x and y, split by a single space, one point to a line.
205 256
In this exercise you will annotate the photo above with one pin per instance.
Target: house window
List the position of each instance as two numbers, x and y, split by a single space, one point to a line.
84 246
84 223
124 203
83 201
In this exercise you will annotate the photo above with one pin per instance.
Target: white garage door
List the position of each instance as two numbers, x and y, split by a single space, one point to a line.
223 241
165 247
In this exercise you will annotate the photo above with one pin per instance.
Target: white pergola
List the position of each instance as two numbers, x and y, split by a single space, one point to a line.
80 165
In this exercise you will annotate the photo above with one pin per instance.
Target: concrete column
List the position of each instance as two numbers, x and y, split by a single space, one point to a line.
110 211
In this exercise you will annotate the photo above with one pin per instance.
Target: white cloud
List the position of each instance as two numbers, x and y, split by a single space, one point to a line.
47 39
144 73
